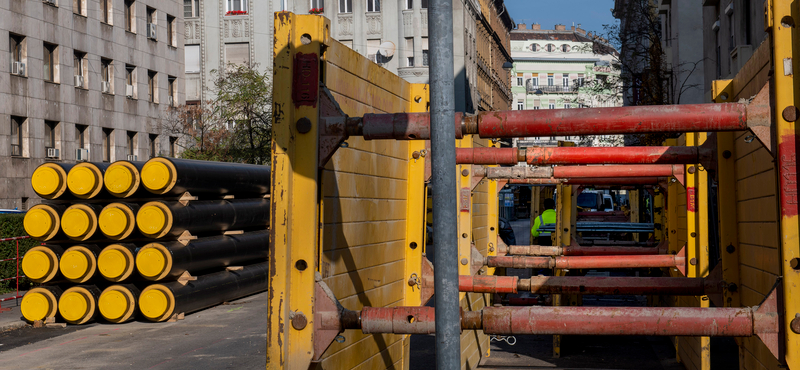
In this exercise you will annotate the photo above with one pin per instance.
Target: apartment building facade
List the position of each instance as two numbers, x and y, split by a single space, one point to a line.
562 68
84 80
682 43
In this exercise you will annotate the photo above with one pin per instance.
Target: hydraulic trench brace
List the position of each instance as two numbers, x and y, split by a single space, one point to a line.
644 174
577 250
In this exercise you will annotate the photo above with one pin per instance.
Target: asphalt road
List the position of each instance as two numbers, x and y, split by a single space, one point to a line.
230 336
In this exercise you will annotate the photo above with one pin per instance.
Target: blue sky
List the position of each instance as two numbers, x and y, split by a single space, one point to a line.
592 14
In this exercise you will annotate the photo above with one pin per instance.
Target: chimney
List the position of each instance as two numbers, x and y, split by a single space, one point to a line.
521 26
589 35
536 27
561 27
580 30
573 28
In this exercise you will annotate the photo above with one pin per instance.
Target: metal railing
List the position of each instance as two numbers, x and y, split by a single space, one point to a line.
17 276
550 89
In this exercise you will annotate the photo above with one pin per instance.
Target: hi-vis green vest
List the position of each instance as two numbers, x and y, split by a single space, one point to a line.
547 217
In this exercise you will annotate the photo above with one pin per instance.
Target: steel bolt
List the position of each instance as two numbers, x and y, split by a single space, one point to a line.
465 172
464 235
726 154
566 230
412 281
303 125
491 249
413 245
795 325
693 261
299 321
464 261
732 287
415 155
790 113
694 235
691 169
730 248
795 263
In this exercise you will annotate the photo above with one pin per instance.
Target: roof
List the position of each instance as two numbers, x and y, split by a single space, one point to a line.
598 46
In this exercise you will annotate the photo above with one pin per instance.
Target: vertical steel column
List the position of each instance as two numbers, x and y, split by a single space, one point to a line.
443 176
782 19
702 240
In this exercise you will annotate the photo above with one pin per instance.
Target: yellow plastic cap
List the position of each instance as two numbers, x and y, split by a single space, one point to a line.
74 264
151 262
76 222
113 263
118 179
46 180
151 220
154 303
113 221
73 306
36 306
81 180
156 175
113 304
37 264
38 222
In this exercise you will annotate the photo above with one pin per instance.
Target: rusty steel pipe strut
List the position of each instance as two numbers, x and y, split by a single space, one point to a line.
560 122
607 181
645 170
586 155
677 261
590 285
573 250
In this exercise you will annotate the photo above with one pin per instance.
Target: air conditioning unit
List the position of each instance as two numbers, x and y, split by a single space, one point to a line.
133 157
51 2
78 81
171 101
129 91
105 86
715 26
729 9
151 31
18 68
81 154
52 153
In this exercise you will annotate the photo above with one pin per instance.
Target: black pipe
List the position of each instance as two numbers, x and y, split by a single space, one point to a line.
78 263
40 263
122 179
171 176
162 260
118 261
206 291
78 304
85 180
49 180
161 218
118 221
43 221
41 302
118 303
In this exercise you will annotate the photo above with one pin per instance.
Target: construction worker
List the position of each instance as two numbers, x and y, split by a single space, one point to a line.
547 217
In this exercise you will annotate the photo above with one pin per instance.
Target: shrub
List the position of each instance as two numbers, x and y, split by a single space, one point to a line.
10 226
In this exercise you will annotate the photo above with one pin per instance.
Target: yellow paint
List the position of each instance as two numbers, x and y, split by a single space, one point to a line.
121 179
464 203
156 303
78 264
77 305
40 264
85 180
49 180
158 175
40 221
117 304
153 261
115 262
79 222
117 221
154 219
38 304
783 42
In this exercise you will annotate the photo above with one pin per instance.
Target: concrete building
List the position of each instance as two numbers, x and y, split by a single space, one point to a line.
219 32
562 68
400 29
682 42
84 79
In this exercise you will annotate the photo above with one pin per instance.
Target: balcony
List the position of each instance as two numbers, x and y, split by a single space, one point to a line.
550 89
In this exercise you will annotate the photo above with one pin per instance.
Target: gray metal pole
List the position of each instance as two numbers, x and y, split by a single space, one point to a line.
443 170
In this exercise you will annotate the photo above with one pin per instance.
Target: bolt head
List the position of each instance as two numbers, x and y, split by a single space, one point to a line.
693 261
730 248
464 235
795 263
790 113
795 325
415 155
299 321
732 287
465 172
691 169
694 235
464 261
303 125
726 154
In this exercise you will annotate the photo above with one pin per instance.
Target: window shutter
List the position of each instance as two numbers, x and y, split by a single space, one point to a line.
192 58
238 53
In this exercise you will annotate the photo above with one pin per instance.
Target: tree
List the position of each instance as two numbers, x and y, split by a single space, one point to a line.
235 126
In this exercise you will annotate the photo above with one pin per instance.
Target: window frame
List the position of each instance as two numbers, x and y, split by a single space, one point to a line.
520 81
129 13
171 90
152 86
316 4
425 58
373 6
347 5
565 79
520 105
107 7
153 140
130 142
80 136
50 138
229 6
194 8
50 62
107 74
108 143
409 4
171 37
550 79
18 123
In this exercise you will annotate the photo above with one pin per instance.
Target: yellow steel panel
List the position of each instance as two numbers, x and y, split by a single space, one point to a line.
757 186
464 198
355 234
364 279
334 263
350 185
728 228
759 233
340 210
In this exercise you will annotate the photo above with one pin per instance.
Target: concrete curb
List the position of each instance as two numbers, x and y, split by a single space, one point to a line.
13 325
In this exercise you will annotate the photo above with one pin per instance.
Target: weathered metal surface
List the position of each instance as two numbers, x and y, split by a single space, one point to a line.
594 181
585 155
645 170
588 262
399 126
405 320
327 319
546 250
488 284
332 126
618 285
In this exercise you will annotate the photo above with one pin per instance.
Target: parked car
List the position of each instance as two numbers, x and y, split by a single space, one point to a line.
506 232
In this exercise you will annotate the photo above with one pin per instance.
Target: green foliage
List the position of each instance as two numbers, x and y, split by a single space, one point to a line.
10 226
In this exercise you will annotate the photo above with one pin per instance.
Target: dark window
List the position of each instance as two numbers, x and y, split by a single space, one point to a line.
80 135
424 57
191 8
15 45
424 4
49 62
106 9
748 19
171 90
345 6
170 30
17 128
152 82
130 16
50 134
173 142
373 5
131 142
409 4
107 134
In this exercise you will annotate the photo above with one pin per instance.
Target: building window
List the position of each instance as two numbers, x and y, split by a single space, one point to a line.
732 40
191 8
130 16
409 52
108 143
567 106
171 37
131 144
18 49
50 62
317 4
520 105
50 128
173 143
519 81
80 136
535 80
345 6
550 79
237 54
424 4
581 79
552 104
536 104
565 48
373 5
152 86
17 130
106 76
192 58
106 8
235 6
153 139
79 7
425 51
173 96
23 203
550 47
130 81
409 4
565 79
79 69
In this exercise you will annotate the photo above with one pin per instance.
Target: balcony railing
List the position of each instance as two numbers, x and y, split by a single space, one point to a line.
550 89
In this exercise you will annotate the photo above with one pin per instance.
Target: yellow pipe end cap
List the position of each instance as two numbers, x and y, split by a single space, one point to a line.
156 175
37 264
113 304
150 262
118 179
81 180
113 221
75 223
74 264
35 306
153 303
112 263
151 220
38 222
73 306
46 180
